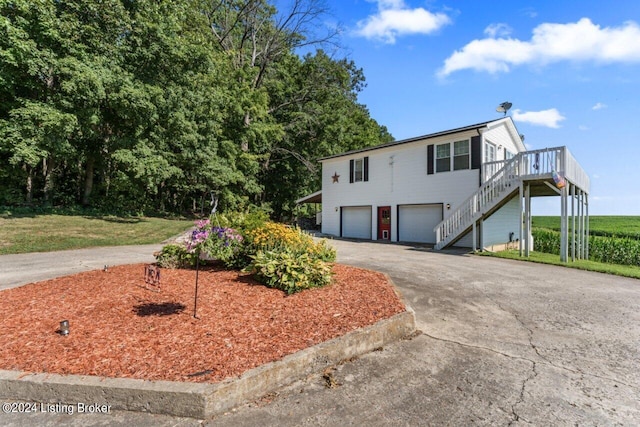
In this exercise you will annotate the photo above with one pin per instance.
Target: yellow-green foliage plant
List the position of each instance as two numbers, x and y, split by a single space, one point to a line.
289 259
275 236
289 271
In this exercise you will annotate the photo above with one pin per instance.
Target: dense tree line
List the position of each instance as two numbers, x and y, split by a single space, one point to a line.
147 105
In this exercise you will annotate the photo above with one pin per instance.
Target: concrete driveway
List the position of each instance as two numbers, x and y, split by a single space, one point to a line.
502 343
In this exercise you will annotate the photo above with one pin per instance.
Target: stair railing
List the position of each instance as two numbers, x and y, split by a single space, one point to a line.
505 174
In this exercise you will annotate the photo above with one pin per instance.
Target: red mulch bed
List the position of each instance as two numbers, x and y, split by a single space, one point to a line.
121 329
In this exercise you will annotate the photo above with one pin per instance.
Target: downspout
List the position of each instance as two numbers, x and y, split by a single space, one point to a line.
480 171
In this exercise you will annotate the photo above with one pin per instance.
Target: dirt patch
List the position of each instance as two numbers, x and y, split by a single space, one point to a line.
118 328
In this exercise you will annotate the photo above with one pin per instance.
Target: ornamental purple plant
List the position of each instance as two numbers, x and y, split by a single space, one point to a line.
199 236
224 244
227 235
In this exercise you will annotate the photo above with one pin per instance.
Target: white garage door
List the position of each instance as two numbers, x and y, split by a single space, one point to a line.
356 222
416 222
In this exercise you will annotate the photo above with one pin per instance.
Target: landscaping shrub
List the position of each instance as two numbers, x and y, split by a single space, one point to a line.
290 271
279 256
243 220
175 256
274 236
226 245
289 259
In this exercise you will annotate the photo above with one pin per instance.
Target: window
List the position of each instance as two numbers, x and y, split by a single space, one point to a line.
359 170
443 157
460 155
489 152
454 156
508 155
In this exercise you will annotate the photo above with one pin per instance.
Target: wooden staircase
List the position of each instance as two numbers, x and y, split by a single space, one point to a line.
502 181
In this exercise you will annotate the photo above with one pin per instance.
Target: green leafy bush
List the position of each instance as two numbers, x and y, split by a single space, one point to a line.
228 246
322 251
287 258
245 221
289 271
175 256
279 256
274 236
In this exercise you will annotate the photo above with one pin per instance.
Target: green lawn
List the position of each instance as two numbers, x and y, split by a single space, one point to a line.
45 233
543 258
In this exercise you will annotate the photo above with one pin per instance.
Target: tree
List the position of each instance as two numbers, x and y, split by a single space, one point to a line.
148 105
316 99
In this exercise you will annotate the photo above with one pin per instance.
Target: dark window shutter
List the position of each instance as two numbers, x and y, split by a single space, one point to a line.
351 166
476 152
365 166
430 159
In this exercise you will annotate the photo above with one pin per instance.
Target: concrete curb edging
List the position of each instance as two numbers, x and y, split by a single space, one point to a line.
200 400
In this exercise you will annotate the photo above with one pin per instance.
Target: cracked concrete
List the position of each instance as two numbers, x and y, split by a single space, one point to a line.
503 343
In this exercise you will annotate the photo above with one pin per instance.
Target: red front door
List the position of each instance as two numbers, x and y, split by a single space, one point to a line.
384 223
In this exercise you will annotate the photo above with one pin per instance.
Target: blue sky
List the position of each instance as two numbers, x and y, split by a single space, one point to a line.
571 69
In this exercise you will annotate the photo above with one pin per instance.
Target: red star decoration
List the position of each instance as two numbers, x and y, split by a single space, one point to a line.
335 177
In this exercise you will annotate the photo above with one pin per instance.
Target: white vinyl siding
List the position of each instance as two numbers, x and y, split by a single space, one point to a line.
398 176
402 180
500 136
356 222
505 220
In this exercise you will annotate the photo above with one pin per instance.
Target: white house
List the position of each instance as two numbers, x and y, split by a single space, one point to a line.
443 188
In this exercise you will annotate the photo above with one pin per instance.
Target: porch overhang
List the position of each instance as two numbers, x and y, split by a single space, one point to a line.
311 198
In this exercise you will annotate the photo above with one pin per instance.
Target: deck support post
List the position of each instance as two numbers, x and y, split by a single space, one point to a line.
573 222
521 231
527 219
585 226
581 224
474 236
586 205
564 232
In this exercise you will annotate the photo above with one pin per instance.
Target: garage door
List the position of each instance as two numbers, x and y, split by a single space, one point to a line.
416 222
356 222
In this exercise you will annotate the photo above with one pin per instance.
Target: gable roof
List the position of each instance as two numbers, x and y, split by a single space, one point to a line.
419 138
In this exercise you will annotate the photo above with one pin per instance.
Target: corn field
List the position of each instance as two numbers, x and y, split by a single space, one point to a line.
608 249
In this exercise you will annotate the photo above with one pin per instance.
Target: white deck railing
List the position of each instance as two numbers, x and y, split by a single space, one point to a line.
501 178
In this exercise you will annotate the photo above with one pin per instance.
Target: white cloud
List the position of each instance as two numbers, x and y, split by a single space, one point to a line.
395 19
548 118
599 106
583 128
579 41
498 30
